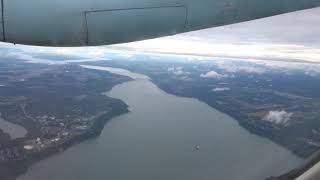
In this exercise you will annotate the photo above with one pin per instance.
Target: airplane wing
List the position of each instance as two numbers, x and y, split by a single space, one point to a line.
103 22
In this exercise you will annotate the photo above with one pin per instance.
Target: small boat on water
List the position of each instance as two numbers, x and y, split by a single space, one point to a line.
197 147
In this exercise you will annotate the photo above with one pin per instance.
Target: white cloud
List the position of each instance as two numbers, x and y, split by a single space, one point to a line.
221 89
248 69
171 69
278 117
310 69
127 55
185 78
64 51
259 39
177 71
23 56
239 68
96 53
213 74
29 58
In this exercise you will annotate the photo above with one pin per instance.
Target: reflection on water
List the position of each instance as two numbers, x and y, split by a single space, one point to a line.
156 140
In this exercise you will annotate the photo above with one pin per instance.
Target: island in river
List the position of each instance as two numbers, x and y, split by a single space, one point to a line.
47 108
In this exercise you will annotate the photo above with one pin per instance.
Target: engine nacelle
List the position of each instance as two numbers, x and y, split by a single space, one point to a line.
102 22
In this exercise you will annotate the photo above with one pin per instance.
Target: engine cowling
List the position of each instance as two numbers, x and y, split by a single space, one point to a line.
103 22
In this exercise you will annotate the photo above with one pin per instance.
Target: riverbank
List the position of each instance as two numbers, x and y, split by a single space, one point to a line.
11 170
260 128
57 105
160 133
247 97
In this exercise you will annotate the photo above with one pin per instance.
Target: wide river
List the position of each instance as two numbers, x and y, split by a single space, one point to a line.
156 141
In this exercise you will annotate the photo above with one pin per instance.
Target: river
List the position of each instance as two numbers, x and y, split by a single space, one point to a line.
157 139
14 130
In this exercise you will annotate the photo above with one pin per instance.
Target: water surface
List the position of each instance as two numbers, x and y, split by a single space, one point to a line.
156 141
15 131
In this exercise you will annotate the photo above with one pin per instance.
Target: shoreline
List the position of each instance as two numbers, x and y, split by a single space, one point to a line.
244 124
264 130
14 169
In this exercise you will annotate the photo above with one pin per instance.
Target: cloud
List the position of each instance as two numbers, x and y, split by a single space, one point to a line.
28 57
221 89
310 69
22 56
213 74
127 55
177 71
64 51
278 117
235 68
171 69
248 69
96 53
284 37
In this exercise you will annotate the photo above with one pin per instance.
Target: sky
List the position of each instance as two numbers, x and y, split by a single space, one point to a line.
289 37
293 36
